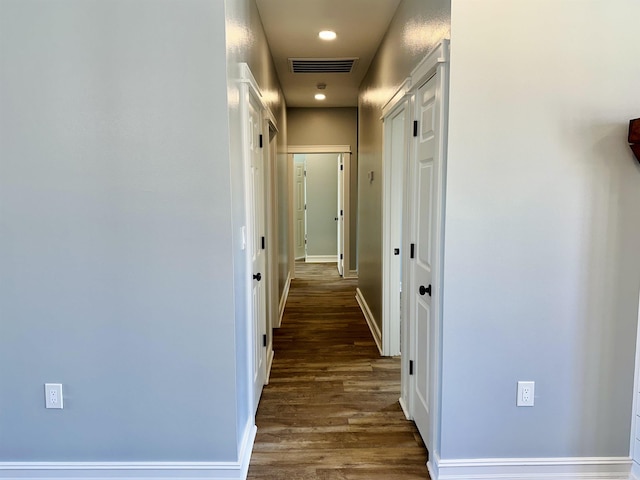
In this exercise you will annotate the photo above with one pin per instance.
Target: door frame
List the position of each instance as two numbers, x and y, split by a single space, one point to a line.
270 132
310 149
391 281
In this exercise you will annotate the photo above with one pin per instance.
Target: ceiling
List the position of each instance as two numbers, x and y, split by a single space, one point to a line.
292 28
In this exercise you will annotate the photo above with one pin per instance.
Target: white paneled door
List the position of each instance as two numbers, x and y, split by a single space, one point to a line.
257 239
424 174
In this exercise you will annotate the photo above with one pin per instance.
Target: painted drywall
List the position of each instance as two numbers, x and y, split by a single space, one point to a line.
415 30
541 268
321 197
246 43
115 240
331 126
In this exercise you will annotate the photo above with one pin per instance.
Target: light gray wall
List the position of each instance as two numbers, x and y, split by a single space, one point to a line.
115 246
331 126
541 270
415 30
246 43
322 203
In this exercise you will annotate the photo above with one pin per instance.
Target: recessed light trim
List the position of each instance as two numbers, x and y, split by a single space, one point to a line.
320 96
327 35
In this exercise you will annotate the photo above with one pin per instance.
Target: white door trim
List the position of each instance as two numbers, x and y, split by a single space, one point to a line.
436 62
346 150
392 193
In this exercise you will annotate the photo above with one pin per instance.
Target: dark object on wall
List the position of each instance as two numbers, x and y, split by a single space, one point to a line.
634 137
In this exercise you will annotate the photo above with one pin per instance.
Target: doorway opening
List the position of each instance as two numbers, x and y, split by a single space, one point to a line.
319 190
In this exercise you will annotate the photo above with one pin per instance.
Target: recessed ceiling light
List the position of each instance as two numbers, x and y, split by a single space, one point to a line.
320 96
327 35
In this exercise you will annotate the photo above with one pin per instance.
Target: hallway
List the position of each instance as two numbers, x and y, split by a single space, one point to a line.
331 408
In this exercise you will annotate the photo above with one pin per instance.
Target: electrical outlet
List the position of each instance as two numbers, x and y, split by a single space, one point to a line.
53 395
526 392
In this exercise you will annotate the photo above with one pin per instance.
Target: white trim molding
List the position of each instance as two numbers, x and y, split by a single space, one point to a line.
401 93
319 149
350 273
134 470
569 468
321 259
371 321
283 299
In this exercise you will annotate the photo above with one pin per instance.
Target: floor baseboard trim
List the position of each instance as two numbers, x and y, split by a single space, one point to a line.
350 274
366 311
404 408
321 259
135 470
283 299
569 468
269 365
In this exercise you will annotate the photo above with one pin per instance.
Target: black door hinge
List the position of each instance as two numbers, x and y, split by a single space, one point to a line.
341 256
410 367
415 128
341 167
396 251
412 254
263 243
264 340
260 140
341 212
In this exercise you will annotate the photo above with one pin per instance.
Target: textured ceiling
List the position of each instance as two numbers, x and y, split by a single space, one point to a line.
292 28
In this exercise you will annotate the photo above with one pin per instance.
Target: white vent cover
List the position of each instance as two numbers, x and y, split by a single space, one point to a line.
322 65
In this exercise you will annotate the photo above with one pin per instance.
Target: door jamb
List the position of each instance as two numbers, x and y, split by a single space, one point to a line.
391 319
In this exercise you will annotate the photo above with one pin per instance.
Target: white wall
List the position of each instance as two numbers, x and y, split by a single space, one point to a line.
541 267
115 251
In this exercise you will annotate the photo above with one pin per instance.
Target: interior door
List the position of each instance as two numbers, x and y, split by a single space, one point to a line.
424 172
340 215
298 189
256 235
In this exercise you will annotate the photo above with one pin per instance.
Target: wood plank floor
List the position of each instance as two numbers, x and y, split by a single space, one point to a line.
331 411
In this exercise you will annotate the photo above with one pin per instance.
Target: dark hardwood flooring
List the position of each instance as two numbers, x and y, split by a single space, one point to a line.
331 410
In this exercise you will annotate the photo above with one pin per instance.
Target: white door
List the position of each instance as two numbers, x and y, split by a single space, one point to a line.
256 234
423 215
340 215
298 193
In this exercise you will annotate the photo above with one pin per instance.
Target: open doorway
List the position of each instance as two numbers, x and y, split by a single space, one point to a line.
320 205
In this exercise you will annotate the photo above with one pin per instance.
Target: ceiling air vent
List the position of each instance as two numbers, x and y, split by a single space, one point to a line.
322 65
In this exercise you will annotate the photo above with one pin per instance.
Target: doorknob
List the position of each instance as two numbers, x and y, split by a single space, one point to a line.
423 290
257 276
336 219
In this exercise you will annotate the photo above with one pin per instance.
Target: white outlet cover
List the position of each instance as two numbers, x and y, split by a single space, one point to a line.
526 393
53 395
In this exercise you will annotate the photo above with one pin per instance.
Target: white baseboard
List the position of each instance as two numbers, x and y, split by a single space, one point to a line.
135 470
350 274
570 468
269 364
405 410
375 331
321 259
283 299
